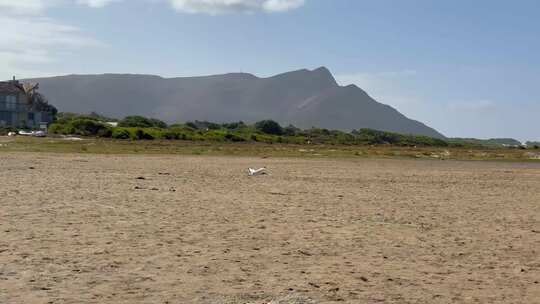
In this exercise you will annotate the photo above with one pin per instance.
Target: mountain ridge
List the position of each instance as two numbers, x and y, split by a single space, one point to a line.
304 98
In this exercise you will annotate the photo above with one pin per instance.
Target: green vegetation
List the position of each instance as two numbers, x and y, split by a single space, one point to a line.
266 131
265 138
120 133
5 130
185 147
494 142
269 127
380 137
533 145
80 125
40 103
142 122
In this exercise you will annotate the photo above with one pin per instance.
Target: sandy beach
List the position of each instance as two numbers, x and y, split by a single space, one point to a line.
81 228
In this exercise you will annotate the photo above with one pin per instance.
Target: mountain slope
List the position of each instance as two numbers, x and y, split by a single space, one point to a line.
303 98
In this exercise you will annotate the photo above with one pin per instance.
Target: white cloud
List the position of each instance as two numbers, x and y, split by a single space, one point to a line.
24 7
282 5
96 3
30 40
215 7
212 7
36 7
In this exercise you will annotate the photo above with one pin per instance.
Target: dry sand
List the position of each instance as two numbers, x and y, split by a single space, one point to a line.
85 229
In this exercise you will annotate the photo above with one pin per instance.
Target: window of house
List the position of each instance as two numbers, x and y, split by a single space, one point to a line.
5 117
11 102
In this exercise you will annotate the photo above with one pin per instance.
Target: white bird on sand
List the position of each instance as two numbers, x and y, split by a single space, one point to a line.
252 172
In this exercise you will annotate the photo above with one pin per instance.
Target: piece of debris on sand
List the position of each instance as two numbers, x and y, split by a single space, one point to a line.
260 171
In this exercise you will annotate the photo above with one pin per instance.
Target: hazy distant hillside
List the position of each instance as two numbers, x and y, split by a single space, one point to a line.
303 98
494 142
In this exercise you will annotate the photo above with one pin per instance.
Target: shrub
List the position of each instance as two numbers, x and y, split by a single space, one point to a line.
40 103
191 125
203 125
291 130
64 117
87 127
6 130
215 135
141 122
120 133
100 117
183 127
58 128
170 134
81 126
106 132
144 134
67 117
268 131
234 137
176 133
234 125
369 136
266 138
269 127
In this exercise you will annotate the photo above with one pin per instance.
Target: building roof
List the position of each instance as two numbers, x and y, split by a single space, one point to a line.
10 87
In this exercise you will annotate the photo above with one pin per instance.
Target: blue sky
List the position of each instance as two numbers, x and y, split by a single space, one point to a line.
466 68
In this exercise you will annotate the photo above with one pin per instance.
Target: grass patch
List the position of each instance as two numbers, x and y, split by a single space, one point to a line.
157 146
